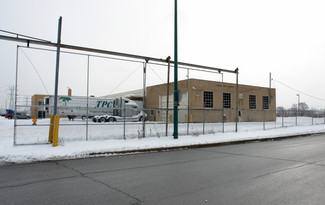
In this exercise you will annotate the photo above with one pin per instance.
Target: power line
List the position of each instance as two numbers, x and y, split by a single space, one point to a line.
156 74
127 77
317 98
35 71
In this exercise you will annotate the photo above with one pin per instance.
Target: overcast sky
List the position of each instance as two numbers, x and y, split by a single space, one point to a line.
284 37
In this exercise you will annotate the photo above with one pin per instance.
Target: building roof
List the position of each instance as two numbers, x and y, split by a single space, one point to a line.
129 94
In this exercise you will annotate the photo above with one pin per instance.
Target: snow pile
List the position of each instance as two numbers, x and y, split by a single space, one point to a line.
79 149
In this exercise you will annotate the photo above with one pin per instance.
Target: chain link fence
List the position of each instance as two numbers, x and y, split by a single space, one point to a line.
27 130
94 79
211 121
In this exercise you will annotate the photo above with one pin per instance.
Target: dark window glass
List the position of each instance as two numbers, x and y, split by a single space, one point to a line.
208 99
226 100
252 102
265 102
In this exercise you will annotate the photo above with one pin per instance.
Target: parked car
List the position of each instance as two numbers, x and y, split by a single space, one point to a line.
19 115
22 115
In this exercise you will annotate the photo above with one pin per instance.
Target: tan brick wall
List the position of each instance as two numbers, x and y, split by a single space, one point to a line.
35 107
196 97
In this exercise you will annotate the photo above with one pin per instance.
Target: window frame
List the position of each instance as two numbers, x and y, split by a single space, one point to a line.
226 100
208 99
252 102
265 102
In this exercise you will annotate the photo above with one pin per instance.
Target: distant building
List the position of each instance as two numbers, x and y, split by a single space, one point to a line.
37 106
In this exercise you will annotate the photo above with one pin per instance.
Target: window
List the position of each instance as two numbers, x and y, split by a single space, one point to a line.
265 102
40 102
208 99
252 101
47 101
226 100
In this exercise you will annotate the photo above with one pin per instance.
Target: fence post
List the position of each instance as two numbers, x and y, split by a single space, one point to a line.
223 107
51 128
144 99
203 119
263 119
188 101
312 117
87 131
15 105
124 120
223 120
167 100
296 118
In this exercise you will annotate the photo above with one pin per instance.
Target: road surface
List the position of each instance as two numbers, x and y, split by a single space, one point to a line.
290 171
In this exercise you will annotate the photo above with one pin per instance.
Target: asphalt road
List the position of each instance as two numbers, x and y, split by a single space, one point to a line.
290 171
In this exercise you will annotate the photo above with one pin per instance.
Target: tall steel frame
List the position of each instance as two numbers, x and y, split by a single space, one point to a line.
59 46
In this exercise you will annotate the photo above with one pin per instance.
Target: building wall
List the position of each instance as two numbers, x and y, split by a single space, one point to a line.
37 108
196 101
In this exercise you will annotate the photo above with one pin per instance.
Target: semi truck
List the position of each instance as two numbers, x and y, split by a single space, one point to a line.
99 109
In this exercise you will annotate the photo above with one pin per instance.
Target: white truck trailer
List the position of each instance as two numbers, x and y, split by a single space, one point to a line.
99 109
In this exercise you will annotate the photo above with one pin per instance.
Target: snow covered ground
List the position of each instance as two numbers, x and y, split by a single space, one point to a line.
109 137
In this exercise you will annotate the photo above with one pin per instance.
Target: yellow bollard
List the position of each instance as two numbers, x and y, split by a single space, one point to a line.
158 117
185 118
56 131
191 118
51 128
170 118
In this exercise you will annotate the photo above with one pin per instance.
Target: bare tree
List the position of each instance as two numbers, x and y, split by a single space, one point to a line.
302 109
280 111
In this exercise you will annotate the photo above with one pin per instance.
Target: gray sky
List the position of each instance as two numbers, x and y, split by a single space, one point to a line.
283 37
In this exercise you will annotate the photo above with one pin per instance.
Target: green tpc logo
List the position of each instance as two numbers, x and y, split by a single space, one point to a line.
104 103
65 99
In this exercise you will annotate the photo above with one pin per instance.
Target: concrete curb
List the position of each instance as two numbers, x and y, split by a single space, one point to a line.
195 146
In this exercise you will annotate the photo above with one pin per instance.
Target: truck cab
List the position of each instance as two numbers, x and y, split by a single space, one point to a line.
9 114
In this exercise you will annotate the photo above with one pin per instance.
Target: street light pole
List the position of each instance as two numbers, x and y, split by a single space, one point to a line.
175 78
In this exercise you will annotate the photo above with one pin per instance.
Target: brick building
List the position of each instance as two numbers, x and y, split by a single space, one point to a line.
209 100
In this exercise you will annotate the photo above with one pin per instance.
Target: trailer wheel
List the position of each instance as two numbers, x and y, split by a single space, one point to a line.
102 119
111 119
